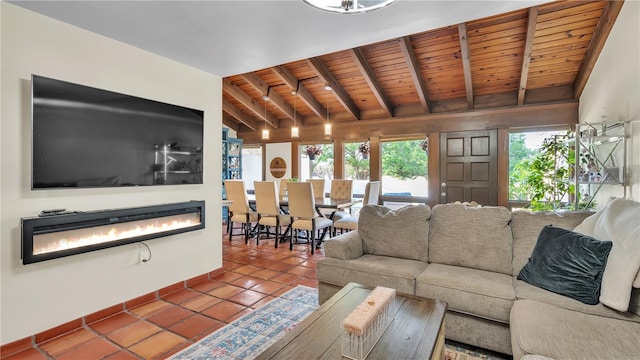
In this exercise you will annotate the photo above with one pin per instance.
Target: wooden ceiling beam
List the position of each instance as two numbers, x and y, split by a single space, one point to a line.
255 107
466 63
372 81
600 35
303 93
526 57
416 76
325 75
230 123
235 113
256 82
564 114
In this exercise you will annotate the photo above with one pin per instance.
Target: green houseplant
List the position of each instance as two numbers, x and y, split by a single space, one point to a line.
549 175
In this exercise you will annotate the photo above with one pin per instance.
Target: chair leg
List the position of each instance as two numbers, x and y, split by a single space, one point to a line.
313 235
277 231
230 230
247 228
291 238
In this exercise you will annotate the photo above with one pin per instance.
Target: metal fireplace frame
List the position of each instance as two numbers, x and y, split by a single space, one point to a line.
80 220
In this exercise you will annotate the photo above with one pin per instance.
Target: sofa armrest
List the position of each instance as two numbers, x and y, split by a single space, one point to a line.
347 246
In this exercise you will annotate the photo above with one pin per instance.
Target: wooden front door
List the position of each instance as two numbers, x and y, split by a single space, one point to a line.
469 167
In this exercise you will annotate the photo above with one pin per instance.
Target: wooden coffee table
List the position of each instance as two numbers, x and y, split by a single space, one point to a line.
416 332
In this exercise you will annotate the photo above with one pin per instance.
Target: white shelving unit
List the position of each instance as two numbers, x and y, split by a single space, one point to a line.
601 159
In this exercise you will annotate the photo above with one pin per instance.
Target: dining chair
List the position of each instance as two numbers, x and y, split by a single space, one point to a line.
268 209
302 209
239 210
371 197
340 189
282 193
318 187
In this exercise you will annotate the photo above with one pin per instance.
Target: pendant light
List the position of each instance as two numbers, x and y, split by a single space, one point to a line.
349 6
265 131
295 130
327 124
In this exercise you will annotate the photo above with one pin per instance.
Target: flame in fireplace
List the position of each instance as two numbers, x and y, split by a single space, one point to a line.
71 239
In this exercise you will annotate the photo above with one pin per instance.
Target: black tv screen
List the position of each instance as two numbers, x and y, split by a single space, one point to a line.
87 137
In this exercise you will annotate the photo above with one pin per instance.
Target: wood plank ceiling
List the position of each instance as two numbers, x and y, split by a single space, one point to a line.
526 58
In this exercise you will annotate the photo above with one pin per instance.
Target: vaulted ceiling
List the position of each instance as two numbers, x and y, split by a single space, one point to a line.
530 57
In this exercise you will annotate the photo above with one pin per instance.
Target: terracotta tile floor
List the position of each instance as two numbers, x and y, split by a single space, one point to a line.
253 276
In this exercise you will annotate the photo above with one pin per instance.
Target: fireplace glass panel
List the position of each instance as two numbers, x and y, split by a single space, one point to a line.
71 239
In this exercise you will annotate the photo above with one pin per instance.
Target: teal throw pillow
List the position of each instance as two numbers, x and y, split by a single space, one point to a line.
567 263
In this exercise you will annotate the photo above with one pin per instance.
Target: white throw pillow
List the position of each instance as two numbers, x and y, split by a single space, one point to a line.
619 222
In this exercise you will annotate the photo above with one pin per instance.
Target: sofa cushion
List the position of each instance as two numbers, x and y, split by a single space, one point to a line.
551 331
526 227
526 291
470 291
401 233
567 263
372 271
473 237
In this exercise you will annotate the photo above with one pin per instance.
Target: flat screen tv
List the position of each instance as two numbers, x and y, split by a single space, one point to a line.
86 137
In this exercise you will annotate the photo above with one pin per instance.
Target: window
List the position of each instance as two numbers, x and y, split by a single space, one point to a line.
524 147
404 168
251 165
356 165
316 162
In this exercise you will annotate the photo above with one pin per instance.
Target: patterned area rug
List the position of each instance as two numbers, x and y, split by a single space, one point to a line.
458 351
248 336
251 334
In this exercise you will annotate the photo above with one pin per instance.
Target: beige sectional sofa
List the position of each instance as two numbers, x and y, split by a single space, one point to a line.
470 258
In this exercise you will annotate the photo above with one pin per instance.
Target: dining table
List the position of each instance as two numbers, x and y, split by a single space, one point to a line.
324 203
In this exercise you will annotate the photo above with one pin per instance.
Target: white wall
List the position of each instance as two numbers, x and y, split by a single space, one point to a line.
39 296
615 85
282 150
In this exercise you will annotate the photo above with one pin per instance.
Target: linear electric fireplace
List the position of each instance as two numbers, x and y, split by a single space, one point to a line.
63 234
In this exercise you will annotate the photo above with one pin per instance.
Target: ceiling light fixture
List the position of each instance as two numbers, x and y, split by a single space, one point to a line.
327 124
265 131
295 131
349 6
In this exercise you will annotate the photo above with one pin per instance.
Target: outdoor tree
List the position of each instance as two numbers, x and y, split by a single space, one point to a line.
518 150
322 166
545 178
404 159
519 167
356 166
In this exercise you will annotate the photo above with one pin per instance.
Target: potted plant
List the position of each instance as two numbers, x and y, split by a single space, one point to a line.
313 151
364 149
